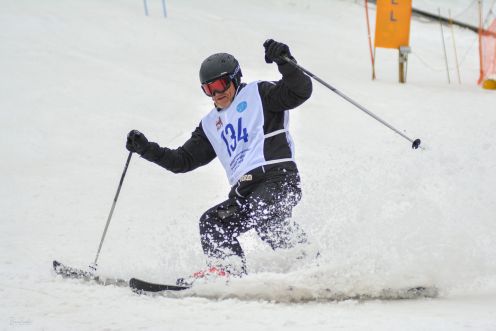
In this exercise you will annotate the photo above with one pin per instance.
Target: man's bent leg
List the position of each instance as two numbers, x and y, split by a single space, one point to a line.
271 210
220 227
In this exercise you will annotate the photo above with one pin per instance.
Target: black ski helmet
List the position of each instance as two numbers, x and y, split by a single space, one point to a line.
218 65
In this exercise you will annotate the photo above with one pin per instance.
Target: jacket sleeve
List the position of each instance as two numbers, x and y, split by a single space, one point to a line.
291 91
196 151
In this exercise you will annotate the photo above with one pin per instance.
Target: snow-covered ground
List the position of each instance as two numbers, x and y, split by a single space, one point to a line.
76 76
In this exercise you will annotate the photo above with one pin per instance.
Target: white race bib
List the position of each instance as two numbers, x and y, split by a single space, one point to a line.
237 135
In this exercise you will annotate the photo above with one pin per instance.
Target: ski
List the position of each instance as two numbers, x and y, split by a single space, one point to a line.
141 285
407 293
74 273
137 285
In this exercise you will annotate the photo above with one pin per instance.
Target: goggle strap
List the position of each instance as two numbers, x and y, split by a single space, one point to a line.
235 72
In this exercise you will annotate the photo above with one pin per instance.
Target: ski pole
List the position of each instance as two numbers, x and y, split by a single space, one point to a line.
415 143
94 265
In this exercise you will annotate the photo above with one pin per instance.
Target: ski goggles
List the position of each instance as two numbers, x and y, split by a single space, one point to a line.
218 85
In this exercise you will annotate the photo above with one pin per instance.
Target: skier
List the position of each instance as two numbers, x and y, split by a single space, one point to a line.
247 129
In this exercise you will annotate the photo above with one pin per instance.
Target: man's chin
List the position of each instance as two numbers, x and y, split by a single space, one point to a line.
222 105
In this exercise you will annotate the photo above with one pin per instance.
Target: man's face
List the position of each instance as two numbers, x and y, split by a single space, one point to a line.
222 100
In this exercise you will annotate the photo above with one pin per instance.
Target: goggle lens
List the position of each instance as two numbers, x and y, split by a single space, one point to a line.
219 85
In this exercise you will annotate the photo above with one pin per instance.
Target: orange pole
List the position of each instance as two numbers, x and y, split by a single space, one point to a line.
370 40
481 71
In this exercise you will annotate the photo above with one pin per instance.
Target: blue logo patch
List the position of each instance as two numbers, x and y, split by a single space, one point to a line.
241 107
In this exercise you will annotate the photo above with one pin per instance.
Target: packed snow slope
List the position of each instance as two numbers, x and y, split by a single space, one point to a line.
76 76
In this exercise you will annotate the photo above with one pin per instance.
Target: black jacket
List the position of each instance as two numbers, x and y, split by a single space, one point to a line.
289 92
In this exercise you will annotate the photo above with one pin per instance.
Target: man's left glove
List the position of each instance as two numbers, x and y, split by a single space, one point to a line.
275 50
136 142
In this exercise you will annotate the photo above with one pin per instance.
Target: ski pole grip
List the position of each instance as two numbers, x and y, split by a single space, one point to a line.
287 59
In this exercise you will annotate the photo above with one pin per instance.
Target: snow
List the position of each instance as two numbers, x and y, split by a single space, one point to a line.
76 76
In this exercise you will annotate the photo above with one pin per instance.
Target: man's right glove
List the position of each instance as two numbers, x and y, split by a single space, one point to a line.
136 142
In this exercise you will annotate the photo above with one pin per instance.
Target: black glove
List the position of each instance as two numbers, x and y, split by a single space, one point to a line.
274 50
136 142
